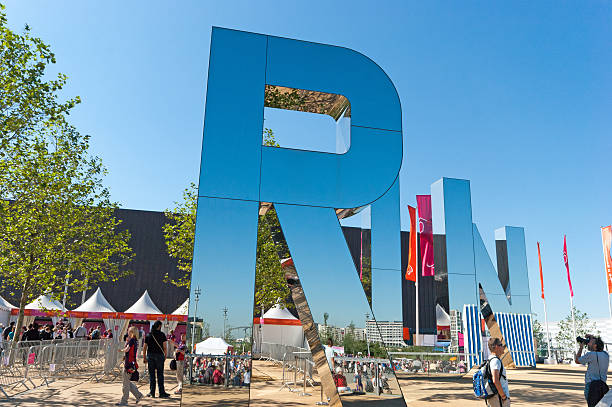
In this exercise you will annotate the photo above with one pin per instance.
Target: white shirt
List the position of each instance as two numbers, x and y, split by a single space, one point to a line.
496 364
329 354
597 365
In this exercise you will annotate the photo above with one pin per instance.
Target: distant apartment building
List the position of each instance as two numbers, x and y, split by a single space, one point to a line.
338 333
387 332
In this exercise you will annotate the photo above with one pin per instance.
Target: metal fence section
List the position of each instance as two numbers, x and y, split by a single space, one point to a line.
24 363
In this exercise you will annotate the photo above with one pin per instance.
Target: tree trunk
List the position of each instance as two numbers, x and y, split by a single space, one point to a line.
22 304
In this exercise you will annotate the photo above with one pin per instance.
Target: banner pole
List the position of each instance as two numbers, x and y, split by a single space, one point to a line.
547 331
573 321
609 306
417 338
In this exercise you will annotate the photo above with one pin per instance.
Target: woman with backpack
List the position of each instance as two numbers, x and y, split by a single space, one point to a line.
597 361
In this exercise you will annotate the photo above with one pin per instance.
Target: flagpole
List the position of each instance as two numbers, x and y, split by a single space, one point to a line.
573 320
609 306
544 301
418 340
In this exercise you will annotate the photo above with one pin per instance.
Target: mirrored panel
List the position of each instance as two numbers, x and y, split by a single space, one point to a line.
234 119
337 303
218 364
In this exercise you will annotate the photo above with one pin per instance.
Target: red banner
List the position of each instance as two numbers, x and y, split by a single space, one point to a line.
412 252
541 275
178 318
277 321
426 231
566 261
606 238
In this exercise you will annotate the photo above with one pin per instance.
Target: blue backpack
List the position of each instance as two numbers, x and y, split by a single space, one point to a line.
483 381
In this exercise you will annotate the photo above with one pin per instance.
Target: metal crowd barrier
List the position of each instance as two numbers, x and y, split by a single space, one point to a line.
23 362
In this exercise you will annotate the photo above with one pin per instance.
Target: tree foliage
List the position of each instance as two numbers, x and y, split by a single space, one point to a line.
270 285
57 221
28 100
565 338
179 234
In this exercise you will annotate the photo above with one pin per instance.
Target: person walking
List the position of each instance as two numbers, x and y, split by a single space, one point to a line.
154 354
129 365
498 373
597 361
180 348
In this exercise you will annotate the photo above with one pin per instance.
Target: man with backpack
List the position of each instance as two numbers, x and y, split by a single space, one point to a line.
597 361
490 382
498 373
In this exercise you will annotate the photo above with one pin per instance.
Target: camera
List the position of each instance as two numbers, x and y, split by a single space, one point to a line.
584 341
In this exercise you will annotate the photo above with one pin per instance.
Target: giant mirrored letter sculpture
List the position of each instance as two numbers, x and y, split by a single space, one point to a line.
241 179
470 288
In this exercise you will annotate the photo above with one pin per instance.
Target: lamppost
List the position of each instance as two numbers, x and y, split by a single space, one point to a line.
197 293
224 309
367 315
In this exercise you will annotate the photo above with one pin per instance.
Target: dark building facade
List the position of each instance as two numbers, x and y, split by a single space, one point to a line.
151 263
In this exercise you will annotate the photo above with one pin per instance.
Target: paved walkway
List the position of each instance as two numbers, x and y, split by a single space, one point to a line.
544 386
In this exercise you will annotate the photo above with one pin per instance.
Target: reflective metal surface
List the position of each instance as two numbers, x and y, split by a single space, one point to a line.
224 253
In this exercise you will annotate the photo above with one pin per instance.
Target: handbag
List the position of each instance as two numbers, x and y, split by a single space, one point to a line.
173 364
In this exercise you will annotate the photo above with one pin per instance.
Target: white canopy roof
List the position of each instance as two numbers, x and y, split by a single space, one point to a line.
144 305
442 318
278 312
212 346
96 303
183 309
4 304
44 302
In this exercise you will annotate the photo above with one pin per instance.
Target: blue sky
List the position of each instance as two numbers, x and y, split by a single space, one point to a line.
515 96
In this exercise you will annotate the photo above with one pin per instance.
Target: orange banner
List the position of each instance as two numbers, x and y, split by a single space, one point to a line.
541 276
606 238
412 252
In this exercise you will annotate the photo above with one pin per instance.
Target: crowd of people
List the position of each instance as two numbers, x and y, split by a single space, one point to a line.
214 371
49 331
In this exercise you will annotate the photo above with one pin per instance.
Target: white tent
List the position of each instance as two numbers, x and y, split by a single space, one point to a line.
183 309
97 304
42 303
212 346
442 318
5 310
144 305
279 326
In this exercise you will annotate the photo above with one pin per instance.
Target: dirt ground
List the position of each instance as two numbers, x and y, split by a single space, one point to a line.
544 386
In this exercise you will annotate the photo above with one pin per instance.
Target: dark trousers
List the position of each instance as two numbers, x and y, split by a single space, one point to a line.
156 365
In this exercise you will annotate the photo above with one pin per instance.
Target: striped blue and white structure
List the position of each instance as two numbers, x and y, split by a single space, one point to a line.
517 330
472 336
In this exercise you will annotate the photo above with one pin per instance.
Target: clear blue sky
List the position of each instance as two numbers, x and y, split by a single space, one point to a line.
515 96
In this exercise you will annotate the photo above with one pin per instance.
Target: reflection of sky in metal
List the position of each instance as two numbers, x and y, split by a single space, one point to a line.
236 167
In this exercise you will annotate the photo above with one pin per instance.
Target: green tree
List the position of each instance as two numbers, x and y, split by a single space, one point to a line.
28 98
179 234
270 285
565 338
56 217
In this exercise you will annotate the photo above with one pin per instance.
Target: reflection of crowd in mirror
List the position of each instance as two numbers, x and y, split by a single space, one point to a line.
363 376
430 366
212 371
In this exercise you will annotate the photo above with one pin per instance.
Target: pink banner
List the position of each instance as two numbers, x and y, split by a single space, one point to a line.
606 238
566 261
426 232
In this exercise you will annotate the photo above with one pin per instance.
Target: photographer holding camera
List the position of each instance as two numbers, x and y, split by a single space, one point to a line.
597 361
